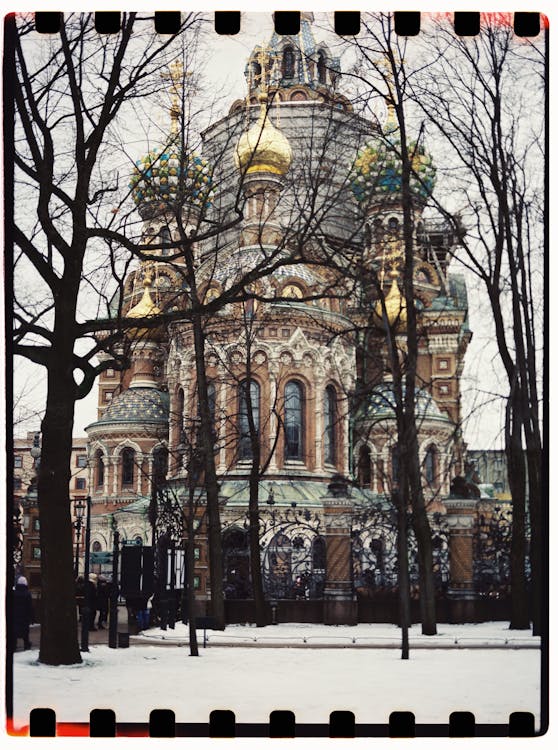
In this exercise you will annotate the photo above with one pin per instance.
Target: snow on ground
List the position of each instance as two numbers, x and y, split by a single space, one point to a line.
312 682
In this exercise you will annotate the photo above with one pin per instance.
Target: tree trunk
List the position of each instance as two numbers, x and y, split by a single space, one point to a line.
254 539
516 474
210 480
59 642
190 563
538 570
401 502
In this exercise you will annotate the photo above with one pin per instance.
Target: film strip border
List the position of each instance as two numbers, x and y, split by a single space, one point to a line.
282 724
347 23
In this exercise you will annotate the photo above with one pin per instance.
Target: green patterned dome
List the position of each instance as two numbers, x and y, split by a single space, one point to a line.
377 170
138 405
166 176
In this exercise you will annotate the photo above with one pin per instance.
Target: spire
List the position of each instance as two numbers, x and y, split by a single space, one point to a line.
175 76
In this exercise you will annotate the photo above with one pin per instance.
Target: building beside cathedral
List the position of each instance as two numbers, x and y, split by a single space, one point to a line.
296 183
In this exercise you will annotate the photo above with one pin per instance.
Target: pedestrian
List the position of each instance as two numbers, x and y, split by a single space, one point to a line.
80 594
23 613
102 601
91 599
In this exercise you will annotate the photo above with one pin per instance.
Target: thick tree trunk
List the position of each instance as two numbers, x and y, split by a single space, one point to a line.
59 642
536 549
520 619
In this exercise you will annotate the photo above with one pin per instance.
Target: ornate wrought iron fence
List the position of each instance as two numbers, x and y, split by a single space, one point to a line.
375 562
292 555
493 531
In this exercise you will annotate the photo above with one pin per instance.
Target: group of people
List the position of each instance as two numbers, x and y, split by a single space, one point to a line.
93 594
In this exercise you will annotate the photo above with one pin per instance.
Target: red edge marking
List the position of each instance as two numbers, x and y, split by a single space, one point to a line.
19 732
71 729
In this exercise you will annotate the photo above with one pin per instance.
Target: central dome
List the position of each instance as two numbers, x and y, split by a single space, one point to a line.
263 148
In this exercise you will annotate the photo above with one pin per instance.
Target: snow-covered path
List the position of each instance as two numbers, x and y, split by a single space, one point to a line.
252 682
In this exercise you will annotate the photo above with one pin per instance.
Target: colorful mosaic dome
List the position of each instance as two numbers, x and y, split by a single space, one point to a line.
140 405
377 170
166 176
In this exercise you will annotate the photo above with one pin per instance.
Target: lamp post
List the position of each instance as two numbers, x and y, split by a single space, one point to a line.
87 598
113 600
79 508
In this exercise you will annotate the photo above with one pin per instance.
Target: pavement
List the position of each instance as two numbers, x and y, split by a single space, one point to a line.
309 635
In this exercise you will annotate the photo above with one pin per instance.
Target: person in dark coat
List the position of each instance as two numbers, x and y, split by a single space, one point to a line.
103 591
23 612
80 594
91 599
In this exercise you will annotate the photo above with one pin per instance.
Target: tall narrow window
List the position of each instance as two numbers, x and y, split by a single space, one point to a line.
160 465
128 461
364 467
322 68
330 408
212 402
288 63
165 239
100 468
179 416
249 401
430 465
294 402
256 74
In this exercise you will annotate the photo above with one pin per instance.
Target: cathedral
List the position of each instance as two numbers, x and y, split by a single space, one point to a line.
299 197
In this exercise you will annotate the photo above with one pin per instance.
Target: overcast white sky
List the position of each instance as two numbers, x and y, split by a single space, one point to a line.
226 69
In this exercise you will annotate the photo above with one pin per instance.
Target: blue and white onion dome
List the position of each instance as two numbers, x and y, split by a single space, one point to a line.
166 176
377 170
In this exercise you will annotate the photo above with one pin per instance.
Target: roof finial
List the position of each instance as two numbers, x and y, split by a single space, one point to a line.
175 75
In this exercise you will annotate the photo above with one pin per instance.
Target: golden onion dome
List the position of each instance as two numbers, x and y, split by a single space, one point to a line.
396 308
263 148
145 308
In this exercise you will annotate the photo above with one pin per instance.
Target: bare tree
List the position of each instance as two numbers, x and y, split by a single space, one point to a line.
485 96
68 94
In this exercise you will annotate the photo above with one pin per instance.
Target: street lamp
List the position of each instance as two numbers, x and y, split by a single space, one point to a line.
79 509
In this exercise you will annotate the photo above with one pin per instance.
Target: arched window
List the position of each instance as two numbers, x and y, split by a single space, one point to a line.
248 401
430 465
99 468
322 67
256 73
294 406
319 553
330 409
393 226
128 461
364 472
165 239
160 465
288 62
96 546
180 412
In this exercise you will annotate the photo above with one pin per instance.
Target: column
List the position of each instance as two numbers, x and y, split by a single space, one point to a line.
340 605
461 514
273 426
319 424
